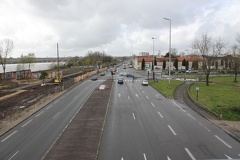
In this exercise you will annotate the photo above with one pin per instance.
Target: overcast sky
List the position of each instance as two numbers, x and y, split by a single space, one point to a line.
117 27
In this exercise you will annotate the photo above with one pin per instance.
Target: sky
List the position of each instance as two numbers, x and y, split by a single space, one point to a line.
116 27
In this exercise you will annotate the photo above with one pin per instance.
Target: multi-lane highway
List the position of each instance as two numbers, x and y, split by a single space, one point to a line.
143 125
31 139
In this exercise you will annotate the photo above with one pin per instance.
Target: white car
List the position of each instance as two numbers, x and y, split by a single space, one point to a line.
123 73
145 83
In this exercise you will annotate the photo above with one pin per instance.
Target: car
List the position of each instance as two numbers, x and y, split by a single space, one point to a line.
120 81
102 87
123 74
145 83
130 75
102 74
94 78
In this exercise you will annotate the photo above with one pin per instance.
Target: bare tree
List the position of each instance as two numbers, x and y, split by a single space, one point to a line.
6 47
28 59
208 49
236 56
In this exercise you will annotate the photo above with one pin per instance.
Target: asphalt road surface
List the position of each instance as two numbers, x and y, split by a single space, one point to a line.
143 125
32 138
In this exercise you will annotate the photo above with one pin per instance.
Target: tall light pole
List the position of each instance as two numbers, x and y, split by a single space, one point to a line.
169 53
153 58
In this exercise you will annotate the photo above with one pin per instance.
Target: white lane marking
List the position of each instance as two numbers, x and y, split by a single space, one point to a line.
122 158
160 114
191 116
128 97
13 155
157 95
39 114
56 115
49 106
178 106
27 123
205 127
147 97
227 156
145 157
238 154
140 87
126 87
190 154
133 116
168 158
119 95
9 136
136 95
143 92
56 101
226 144
174 133
152 104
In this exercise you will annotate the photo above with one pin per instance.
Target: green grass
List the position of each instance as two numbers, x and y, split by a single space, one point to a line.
162 86
225 80
223 99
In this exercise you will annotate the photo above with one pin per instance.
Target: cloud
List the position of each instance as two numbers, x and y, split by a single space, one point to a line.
117 27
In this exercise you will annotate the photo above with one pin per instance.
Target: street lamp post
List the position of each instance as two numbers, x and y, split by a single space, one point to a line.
153 59
169 66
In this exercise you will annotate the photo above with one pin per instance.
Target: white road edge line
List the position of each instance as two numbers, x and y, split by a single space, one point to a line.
160 114
205 127
178 106
174 133
190 154
133 116
27 123
56 115
191 116
8 136
13 155
39 114
226 144
145 157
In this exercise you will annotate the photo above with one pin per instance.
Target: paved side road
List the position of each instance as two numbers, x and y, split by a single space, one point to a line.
230 127
81 139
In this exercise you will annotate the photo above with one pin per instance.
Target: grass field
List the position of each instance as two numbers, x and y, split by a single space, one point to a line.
221 96
162 86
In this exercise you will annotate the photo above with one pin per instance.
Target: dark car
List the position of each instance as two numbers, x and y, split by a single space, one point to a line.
130 75
102 74
120 81
94 78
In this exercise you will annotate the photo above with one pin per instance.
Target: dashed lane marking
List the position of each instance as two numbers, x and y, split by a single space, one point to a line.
174 133
190 154
225 143
13 155
27 123
8 136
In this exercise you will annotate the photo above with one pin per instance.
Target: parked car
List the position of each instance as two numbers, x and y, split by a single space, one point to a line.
94 78
145 83
120 81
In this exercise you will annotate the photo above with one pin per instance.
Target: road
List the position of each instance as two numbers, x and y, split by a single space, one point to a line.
144 125
33 137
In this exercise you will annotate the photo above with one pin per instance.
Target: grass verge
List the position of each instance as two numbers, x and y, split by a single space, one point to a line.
222 98
162 86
